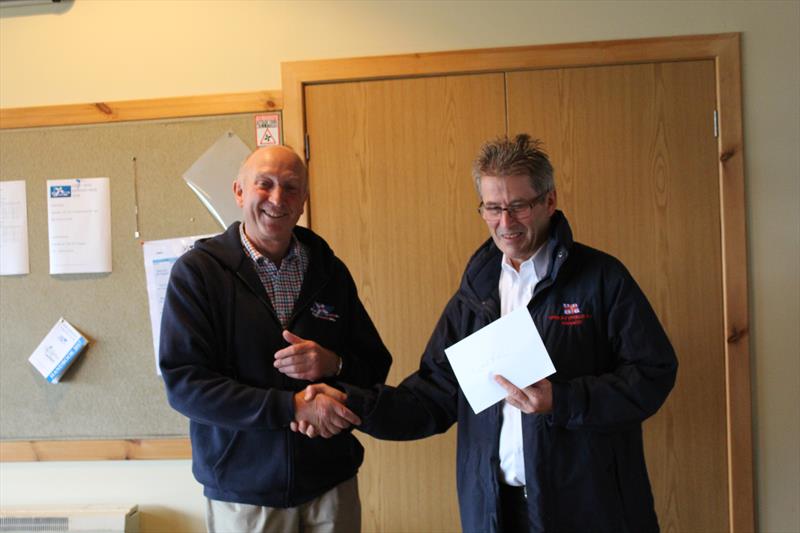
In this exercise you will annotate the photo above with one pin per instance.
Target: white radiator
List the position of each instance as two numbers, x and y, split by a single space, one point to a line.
89 518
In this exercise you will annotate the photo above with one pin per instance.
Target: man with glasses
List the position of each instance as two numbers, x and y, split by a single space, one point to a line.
565 453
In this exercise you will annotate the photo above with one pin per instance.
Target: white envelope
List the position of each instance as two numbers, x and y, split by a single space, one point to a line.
511 347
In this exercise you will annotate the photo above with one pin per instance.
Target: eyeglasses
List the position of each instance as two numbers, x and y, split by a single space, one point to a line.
517 210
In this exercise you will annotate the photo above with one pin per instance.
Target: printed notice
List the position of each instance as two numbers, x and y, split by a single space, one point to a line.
511 347
79 225
268 129
58 350
13 228
159 256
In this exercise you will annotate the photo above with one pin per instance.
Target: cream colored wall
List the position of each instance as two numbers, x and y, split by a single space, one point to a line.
105 50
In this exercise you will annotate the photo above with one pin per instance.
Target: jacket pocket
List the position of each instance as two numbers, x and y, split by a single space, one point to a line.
585 474
224 455
253 462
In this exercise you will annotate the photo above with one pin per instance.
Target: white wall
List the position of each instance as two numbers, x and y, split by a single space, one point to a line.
121 50
169 498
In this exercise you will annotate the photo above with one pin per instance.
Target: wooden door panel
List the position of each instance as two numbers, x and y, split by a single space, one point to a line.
636 172
391 192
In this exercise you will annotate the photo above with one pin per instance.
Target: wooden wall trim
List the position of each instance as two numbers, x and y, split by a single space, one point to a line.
724 49
735 291
93 450
296 74
178 107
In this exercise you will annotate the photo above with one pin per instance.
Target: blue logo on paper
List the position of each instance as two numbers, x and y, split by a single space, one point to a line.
61 191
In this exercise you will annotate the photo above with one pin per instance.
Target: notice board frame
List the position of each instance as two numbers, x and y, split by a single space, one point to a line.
113 112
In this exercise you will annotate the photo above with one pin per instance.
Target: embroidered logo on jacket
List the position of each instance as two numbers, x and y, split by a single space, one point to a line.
571 315
324 312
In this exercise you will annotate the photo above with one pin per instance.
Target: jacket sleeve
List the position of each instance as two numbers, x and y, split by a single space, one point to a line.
192 363
365 359
425 403
644 371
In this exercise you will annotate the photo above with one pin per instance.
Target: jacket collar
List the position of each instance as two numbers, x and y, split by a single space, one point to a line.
482 275
227 249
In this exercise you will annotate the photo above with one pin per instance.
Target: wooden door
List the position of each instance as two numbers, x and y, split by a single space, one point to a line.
391 192
636 172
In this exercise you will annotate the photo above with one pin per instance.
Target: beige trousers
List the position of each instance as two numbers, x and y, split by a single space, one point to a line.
336 511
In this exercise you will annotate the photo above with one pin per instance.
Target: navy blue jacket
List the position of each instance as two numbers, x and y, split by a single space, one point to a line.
219 334
584 462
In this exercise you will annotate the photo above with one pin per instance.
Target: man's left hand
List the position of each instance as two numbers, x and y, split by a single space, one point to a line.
310 393
305 359
322 414
536 398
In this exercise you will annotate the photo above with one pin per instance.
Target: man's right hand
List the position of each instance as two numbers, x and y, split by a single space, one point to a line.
319 410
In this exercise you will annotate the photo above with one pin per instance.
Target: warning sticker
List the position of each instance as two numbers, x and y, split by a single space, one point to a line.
268 129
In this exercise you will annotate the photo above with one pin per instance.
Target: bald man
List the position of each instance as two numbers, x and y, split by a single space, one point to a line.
251 317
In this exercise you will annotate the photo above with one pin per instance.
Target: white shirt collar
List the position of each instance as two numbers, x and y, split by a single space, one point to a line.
539 262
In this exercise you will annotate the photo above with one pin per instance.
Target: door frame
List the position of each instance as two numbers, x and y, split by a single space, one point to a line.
724 50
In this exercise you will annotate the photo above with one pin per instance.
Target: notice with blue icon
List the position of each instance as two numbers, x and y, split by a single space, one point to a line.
79 225
159 256
58 350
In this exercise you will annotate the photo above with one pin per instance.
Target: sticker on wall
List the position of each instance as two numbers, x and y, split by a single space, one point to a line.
268 129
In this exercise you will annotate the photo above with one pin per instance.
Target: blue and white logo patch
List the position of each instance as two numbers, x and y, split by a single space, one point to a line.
324 312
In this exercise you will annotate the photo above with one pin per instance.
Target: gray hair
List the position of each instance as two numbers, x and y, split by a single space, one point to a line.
504 157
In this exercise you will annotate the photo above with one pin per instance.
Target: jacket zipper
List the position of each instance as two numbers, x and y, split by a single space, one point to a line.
289 447
306 304
561 256
288 435
260 298
289 468
290 452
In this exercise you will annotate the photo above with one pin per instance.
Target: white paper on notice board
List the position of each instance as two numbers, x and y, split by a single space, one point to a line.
79 225
159 256
13 228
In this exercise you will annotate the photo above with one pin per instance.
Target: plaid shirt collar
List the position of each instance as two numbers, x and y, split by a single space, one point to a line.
258 258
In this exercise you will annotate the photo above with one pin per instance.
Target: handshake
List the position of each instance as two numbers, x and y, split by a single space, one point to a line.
319 410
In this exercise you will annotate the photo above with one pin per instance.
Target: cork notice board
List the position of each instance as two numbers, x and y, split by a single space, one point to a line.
112 391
